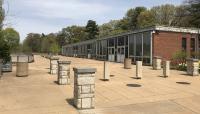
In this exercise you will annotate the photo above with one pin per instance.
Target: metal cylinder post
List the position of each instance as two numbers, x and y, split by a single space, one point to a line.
106 71
138 69
166 68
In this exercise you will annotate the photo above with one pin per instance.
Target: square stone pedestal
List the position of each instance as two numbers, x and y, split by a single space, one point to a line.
64 72
84 88
54 65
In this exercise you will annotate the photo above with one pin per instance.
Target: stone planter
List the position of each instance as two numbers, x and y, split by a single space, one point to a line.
193 67
127 63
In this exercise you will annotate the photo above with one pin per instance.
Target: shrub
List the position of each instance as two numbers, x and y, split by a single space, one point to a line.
179 60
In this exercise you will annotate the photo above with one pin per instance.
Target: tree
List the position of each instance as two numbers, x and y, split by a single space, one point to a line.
110 28
2 14
5 50
33 42
47 42
130 21
194 9
182 17
92 30
12 38
133 17
164 14
54 49
145 19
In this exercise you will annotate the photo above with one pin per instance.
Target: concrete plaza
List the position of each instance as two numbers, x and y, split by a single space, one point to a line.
123 94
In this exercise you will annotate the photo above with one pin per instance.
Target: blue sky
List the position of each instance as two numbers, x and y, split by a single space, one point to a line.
46 16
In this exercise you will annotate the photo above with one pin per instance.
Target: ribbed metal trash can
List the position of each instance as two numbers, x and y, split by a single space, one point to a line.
22 66
127 63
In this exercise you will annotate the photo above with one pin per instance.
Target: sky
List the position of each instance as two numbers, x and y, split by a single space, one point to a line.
46 16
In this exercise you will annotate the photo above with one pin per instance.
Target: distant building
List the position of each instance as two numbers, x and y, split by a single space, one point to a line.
141 44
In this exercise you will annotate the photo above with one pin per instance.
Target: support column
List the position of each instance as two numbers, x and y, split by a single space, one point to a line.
157 63
166 68
193 67
54 65
138 69
64 72
106 71
84 88
127 63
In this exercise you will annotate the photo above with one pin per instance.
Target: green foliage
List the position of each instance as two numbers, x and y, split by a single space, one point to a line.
32 42
4 47
74 34
194 9
146 19
110 28
54 49
2 14
12 38
179 60
164 14
5 52
92 30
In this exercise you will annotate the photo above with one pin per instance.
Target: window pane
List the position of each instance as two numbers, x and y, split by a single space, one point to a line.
111 42
146 44
192 44
139 44
121 41
184 44
131 45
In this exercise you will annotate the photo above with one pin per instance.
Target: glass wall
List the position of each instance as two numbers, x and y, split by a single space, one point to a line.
132 45
140 47
102 49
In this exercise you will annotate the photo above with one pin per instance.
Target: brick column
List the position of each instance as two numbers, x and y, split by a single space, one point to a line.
106 71
54 65
64 72
157 63
193 67
166 68
84 88
138 69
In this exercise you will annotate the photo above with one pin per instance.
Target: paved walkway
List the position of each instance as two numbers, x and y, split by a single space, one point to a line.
39 94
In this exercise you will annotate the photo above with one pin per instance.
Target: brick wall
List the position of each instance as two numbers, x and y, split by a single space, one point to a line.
165 44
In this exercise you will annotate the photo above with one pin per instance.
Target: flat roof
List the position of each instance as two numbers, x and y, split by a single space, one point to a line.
153 28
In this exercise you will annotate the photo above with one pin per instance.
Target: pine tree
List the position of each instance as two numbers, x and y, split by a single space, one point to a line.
92 30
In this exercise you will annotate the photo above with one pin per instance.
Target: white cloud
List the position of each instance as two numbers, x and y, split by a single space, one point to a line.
72 9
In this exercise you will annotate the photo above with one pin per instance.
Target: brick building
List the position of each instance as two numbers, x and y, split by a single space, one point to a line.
142 44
